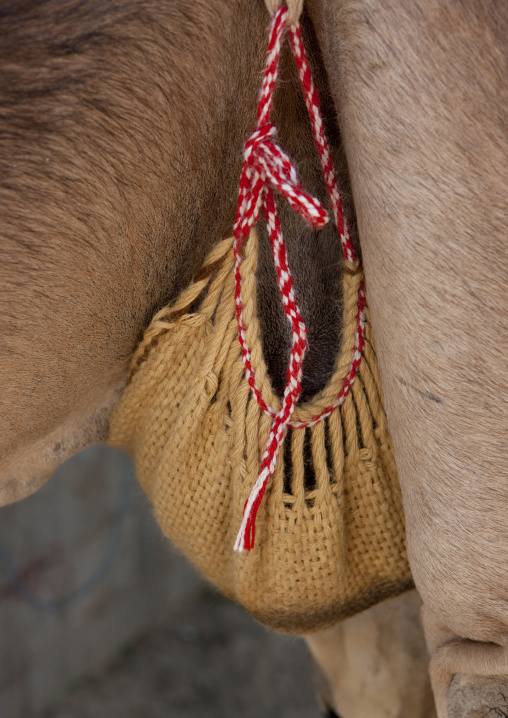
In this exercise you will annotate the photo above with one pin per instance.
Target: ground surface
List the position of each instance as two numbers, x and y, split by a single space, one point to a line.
209 660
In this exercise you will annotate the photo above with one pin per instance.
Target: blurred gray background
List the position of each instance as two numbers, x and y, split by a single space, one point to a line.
100 617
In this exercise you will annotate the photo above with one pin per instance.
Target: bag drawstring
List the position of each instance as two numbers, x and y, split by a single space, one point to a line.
265 167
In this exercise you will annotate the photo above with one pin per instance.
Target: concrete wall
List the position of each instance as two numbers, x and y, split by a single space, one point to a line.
83 569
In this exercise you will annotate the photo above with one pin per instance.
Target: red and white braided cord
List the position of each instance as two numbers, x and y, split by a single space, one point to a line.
266 166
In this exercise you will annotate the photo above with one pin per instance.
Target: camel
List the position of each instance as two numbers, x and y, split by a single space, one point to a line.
122 127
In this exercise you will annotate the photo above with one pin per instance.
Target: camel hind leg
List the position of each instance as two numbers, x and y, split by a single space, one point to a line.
375 664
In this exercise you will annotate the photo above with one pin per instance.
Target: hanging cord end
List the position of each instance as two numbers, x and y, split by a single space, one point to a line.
246 534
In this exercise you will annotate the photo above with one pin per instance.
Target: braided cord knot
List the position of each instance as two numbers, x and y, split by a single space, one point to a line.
265 163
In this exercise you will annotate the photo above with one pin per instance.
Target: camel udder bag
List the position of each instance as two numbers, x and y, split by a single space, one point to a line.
329 536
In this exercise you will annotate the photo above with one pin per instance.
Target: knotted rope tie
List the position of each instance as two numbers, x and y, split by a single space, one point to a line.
265 166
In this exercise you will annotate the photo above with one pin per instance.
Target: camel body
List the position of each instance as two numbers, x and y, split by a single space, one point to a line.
121 142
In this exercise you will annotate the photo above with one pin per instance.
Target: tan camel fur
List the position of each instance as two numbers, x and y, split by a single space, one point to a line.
119 163
421 92
122 127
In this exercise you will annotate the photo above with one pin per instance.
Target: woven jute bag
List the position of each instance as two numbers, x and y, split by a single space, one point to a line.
330 531
310 489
